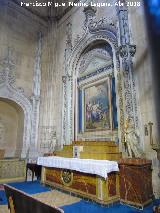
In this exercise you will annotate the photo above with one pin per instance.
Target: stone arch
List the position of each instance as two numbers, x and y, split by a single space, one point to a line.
72 73
9 92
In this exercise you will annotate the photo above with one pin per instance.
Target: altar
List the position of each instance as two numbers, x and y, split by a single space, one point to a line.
97 180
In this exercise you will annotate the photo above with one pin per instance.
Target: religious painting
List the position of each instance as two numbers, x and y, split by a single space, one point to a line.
97 107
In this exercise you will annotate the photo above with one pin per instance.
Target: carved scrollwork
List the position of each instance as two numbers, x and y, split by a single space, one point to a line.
125 50
89 12
102 24
132 50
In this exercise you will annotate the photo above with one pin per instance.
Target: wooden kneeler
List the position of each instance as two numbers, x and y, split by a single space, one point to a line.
19 202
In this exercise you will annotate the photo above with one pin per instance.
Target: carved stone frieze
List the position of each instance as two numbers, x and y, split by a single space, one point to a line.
102 24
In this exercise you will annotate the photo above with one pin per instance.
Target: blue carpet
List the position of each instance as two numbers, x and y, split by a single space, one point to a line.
30 187
79 207
3 199
89 207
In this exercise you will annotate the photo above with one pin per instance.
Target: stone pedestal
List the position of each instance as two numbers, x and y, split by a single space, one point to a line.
136 182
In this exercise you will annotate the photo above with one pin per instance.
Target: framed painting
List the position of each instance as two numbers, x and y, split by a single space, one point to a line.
97 105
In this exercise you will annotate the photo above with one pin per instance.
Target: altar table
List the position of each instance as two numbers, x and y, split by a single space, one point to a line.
94 179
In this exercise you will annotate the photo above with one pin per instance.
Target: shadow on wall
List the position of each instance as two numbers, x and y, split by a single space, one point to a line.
11 128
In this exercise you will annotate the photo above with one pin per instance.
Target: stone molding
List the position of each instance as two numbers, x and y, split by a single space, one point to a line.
9 91
71 70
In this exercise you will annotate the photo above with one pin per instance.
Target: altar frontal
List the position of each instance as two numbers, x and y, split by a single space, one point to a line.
95 179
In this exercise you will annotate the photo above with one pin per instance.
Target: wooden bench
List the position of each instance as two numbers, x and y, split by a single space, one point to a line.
19 202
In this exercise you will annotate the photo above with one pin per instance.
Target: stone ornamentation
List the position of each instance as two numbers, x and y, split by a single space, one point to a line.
48 139
126 52
9 91
103 29
36 92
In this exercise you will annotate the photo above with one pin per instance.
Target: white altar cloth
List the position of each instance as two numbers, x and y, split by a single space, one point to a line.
98 167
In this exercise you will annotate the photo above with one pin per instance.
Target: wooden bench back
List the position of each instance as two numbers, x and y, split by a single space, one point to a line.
19 202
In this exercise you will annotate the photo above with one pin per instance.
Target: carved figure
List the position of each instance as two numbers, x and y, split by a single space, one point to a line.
131 140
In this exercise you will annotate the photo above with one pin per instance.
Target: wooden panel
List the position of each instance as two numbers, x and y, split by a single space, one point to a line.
81 181
53 175
84 182
112 186
86 185
136 181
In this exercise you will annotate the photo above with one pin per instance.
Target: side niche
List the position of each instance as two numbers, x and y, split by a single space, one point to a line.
11 128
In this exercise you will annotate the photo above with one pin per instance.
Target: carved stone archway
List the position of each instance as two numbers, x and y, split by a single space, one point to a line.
70 81
10 92
106 31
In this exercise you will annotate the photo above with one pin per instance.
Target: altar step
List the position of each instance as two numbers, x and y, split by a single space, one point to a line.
99 150
101 156
66 154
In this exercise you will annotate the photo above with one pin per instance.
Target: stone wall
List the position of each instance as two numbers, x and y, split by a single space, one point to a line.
18 41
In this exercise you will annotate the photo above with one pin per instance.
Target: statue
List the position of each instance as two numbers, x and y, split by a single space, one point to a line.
131 140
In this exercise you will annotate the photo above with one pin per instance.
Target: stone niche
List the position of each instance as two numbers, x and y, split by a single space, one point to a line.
11 128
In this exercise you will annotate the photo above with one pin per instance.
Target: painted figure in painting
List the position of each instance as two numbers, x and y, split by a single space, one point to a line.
97 115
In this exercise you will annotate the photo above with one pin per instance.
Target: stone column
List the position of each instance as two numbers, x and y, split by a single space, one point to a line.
126 52
36 97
